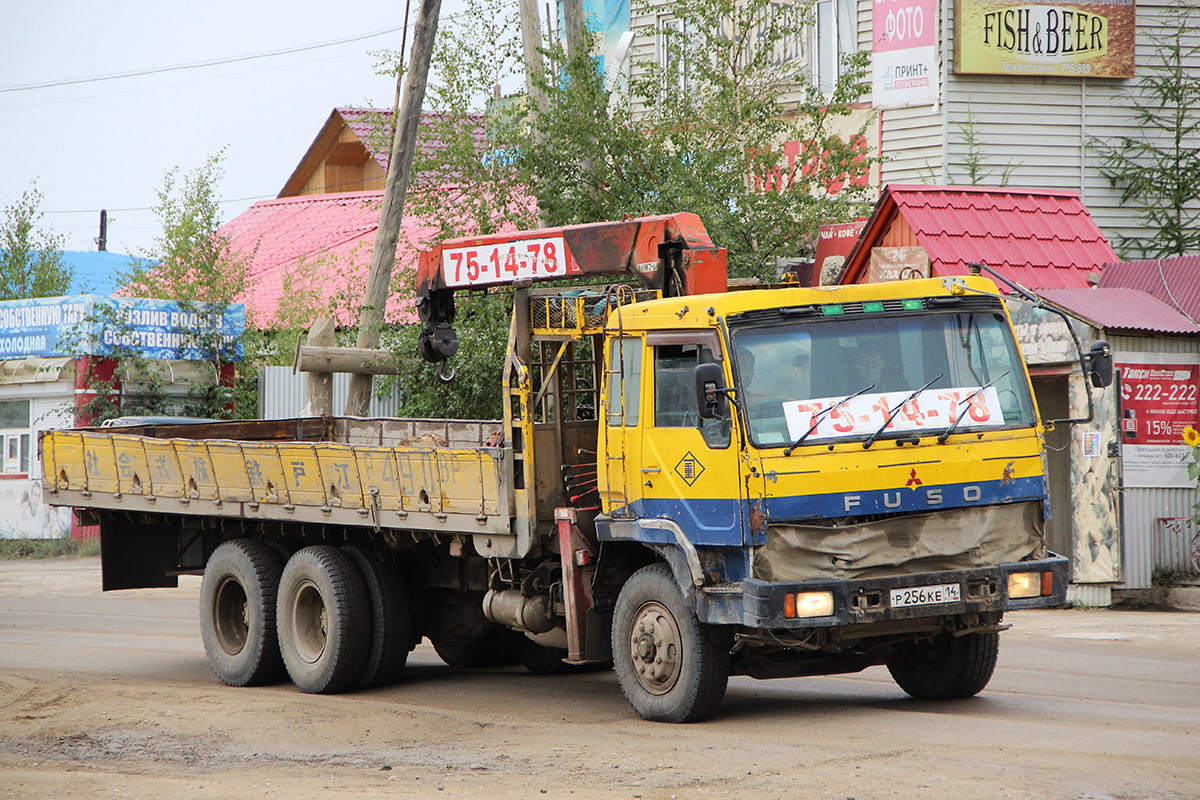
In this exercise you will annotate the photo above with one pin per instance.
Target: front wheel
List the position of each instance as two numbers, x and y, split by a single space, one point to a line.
946 667
670 665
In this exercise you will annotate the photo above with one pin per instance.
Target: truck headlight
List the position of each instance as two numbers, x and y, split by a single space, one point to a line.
803 605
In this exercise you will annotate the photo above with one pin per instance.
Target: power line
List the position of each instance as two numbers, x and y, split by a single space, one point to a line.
196 64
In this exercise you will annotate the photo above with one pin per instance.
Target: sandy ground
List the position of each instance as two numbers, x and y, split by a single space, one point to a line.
111 696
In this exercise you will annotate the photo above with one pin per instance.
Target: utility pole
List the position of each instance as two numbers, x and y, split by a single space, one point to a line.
102 239
573 14
395 188
531 40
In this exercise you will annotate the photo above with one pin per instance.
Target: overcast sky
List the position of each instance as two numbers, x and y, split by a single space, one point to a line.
107 144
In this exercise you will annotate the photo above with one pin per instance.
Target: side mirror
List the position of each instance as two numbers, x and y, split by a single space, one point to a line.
710 390
1100 364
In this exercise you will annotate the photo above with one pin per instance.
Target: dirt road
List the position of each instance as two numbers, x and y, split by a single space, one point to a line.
111 696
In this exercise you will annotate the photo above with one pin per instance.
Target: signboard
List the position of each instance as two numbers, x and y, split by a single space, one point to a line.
1160 396
1085 39
834 243
898 264
488 264
904 65
931 410
101 325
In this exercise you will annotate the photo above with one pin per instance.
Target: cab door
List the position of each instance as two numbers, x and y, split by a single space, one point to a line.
689 466
619 448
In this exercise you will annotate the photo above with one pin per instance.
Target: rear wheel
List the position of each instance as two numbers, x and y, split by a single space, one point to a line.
237 613
671 666
323 617
391 619
947 667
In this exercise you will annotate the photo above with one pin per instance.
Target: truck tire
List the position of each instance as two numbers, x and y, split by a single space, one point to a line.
391 619
538 659
323 617
237 613
946 668
487 649
671 667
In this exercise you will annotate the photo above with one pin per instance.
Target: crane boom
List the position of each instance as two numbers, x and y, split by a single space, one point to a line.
672 253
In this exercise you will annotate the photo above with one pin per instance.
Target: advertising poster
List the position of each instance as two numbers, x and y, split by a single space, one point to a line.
834 243
904 43
898 264
1160 396
1083 39
23 515
101 325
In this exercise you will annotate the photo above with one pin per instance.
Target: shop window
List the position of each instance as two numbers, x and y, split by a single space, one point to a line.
15 436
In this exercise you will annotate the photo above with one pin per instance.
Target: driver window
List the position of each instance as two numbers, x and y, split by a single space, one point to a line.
675 392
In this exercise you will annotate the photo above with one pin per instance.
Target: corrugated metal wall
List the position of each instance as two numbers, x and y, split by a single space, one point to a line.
1144 507
281 395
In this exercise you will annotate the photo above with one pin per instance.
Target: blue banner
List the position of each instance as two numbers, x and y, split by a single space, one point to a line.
114 326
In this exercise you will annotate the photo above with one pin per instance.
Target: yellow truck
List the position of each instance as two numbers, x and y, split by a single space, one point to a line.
688 482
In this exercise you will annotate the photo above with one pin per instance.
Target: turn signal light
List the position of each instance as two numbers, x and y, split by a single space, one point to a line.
802 605
1027 584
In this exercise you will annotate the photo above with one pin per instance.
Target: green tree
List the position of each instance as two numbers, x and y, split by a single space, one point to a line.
31 259
703 130
194 264
1158 167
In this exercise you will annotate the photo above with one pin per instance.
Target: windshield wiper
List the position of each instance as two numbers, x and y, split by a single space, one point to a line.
892 414
946 433
787 451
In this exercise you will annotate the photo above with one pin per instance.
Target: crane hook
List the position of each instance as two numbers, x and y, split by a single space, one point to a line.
442 376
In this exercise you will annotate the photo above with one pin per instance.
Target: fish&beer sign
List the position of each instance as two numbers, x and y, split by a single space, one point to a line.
1086 38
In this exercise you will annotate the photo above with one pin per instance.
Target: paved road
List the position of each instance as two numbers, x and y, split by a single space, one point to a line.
110 695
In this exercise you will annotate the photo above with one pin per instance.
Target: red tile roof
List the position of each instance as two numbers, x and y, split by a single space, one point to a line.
1036 237
1121 310
324 242
1175 281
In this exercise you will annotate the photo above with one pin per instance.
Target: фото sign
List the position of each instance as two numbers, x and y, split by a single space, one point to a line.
1160 396
1086 38
904 43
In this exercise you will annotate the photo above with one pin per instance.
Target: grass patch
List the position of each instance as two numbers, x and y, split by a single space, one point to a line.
12 549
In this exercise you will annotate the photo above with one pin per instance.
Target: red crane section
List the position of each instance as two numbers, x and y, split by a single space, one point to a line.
672 253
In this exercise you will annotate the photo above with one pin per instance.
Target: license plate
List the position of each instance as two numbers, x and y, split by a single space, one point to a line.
926 595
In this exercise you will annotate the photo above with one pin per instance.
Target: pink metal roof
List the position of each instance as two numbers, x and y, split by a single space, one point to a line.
1121 309
366 122
1036 237
324 243
1175 281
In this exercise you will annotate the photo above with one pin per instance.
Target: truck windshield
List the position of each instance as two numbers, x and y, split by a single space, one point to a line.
790 374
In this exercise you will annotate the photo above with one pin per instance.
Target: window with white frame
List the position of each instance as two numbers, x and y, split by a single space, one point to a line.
668 46
834 35
14 437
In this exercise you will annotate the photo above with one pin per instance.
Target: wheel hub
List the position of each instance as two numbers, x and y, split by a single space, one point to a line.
231 616
308 622
655 648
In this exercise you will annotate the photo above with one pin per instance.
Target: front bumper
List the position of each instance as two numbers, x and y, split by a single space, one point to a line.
856 602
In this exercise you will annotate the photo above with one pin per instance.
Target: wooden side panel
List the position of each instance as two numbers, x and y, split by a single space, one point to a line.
377 472
339 468
302 474
100 464
229 469
198 479
67 460
265 473
420 481
133 469
166 479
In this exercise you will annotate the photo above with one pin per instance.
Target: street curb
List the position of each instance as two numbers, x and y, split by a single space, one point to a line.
1168 598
